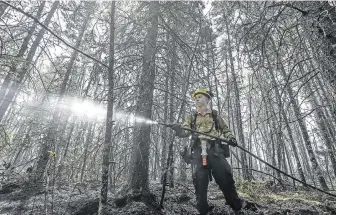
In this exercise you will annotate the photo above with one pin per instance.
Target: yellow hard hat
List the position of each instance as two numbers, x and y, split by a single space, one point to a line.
202 91
51 153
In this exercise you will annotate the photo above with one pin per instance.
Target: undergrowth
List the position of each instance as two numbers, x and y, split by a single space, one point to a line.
261 193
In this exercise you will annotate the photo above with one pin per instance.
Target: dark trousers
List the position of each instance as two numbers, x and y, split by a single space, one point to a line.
222 175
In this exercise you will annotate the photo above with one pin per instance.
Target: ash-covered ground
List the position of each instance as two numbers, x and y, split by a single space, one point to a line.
260 197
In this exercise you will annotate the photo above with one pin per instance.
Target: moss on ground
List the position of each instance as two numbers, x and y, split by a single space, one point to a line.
294 200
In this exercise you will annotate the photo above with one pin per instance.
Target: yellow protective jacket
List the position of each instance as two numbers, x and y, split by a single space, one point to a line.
205 124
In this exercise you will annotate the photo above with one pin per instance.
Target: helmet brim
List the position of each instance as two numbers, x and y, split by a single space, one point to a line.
205 94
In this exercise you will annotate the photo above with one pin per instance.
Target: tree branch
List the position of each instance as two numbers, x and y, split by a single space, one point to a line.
304 13
50 31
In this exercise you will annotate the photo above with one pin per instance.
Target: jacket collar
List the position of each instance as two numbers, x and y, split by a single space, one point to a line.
203 113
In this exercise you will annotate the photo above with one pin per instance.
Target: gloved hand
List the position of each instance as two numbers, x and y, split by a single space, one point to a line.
177 128
232 141
195 137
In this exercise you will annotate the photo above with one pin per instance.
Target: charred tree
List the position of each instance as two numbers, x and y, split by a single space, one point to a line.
141 142
109 117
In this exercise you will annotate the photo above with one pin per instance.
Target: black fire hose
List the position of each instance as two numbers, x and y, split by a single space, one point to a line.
248 152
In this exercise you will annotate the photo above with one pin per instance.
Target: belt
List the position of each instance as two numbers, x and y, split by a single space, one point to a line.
211 142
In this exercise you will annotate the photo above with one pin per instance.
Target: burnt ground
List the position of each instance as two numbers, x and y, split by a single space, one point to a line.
82 199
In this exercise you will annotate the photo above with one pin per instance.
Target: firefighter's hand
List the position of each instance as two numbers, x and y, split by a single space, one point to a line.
184 152
177 128
232 141
195 137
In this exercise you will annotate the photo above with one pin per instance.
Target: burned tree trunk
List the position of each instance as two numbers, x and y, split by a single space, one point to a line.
173 62
86 146
109 121
164 135
141 142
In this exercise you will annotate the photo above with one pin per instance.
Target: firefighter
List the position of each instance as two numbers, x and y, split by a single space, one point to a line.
209 155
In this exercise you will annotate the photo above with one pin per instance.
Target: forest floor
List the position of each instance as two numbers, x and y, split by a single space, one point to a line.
82 199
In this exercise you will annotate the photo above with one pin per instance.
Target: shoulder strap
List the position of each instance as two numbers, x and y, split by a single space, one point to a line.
214 116
193 120
215 119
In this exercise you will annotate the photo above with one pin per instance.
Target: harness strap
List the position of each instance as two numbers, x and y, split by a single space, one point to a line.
215 119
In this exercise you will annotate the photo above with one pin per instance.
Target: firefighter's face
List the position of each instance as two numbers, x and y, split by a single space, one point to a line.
201 100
